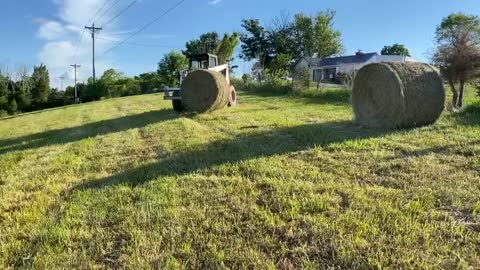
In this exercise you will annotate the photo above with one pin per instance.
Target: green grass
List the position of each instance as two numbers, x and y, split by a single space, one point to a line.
278 182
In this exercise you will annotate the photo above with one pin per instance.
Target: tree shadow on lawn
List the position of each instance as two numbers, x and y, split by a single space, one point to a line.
62 136
250 146
470 116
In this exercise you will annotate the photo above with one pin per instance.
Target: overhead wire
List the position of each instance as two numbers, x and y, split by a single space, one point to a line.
98 11
107 10
146 26
120 13
138 44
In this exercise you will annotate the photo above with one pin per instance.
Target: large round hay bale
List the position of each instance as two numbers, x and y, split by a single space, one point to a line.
204 91
398 95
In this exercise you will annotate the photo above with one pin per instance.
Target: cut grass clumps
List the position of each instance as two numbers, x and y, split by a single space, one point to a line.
204 91
398 95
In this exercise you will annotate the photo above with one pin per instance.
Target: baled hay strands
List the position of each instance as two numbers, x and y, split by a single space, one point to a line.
398 95
204 91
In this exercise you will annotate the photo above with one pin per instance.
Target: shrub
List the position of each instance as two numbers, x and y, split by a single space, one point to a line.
476 85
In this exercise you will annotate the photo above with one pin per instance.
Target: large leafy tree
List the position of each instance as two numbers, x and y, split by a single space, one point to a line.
396 49
170 66
149 82
317 36
207 43
458 52
211 43
304 36
111 79
40 85
226 47
256 43
267 46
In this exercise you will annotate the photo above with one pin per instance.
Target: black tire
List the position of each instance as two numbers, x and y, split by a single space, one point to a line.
177 104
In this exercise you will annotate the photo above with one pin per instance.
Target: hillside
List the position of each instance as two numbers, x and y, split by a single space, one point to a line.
277 182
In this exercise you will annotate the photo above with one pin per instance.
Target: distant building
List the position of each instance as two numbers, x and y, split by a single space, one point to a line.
328 69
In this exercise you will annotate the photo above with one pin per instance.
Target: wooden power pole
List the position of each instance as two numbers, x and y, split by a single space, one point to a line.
75 66
93 30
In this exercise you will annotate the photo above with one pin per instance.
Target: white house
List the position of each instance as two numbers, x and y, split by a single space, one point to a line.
327 69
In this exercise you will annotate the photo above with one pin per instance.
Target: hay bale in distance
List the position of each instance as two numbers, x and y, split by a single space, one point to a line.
398 95
204 91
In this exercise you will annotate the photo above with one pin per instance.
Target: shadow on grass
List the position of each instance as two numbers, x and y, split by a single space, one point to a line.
73 134
470 116
262 144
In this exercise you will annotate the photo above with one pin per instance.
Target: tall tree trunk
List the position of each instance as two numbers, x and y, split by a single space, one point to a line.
460 97
455 95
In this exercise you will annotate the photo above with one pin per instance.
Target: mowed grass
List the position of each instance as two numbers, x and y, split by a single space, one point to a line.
278 182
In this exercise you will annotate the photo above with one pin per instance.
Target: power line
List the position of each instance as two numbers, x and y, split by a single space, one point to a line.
146 26
106 11
139 44
120 13
79 44
98 11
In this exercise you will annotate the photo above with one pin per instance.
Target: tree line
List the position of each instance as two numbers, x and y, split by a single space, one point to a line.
22 91
275 47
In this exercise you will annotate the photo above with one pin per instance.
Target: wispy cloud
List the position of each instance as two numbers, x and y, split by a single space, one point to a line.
66 40
214 2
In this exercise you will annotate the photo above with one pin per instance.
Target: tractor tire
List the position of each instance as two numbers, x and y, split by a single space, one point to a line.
177 104
232 97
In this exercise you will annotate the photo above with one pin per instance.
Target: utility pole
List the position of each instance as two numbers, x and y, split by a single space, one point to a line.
93 30
75 66
61 83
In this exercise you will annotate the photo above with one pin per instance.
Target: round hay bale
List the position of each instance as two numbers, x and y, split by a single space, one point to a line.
204 91
398 95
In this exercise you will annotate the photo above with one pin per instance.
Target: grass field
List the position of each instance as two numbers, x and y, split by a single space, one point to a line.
278 182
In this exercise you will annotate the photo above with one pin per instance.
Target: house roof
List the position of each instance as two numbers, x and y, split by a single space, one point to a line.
351 59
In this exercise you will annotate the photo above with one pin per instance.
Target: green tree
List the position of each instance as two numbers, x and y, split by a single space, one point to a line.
281 65
226 47
40 85
132 87
396 49
207 43
170 66
304 36
329 41
458 52
317 35
3 92
110 80
256 44
149 82
305 27
95 90
12 106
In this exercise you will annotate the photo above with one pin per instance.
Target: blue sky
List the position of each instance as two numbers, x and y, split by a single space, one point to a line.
51 31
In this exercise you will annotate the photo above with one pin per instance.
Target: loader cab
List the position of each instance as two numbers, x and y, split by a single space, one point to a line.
203 61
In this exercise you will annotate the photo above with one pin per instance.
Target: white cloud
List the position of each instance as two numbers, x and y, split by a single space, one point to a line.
214 2
67 42
51 30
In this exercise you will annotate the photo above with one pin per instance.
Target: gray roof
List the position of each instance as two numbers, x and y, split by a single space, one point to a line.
352 59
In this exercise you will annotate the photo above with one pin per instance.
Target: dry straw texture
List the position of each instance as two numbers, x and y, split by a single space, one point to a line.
398 95
204 91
